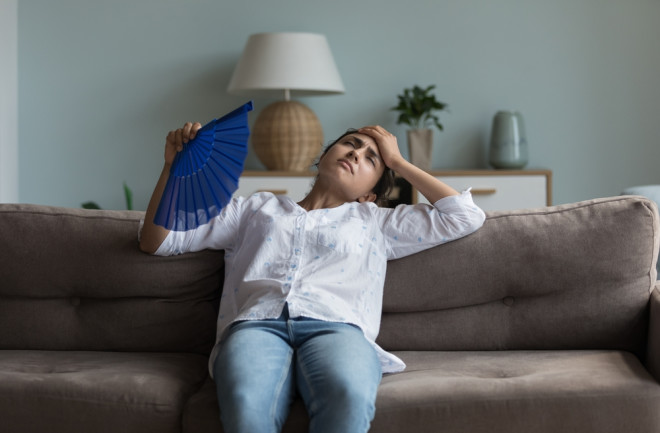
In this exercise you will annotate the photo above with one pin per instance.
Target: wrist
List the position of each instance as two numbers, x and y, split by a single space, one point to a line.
165 172
398 163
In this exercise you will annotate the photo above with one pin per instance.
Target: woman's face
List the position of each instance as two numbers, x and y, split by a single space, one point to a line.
352 166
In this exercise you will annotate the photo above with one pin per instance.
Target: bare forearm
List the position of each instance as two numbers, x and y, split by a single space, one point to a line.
430 187
153 235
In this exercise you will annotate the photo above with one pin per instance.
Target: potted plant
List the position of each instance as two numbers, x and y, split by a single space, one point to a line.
128 194
417 108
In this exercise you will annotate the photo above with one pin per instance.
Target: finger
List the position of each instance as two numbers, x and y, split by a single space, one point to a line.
178 138
382 130
367 130
193 130
185 131
374 129
171 137
173 142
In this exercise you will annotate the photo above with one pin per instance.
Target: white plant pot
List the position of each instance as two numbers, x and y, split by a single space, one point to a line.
420 147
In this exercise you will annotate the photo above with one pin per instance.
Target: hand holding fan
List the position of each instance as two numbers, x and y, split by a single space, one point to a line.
205 173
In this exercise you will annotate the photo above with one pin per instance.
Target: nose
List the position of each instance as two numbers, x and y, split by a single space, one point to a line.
354 154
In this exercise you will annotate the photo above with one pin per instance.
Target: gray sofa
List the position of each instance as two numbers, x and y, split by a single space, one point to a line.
544 320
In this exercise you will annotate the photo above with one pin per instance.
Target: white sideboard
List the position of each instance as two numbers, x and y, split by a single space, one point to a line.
491 189
294 184
500 189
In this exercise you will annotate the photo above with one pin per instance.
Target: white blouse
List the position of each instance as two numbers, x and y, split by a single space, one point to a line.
327 264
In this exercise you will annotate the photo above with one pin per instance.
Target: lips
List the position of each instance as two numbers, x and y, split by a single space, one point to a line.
347 164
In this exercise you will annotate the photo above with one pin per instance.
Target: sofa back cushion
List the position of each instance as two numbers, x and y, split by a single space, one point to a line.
73 279
575 276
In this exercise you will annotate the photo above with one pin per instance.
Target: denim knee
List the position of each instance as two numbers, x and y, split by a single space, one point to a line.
254 392
352 398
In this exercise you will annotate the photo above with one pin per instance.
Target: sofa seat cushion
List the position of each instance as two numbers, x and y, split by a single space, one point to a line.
519 391
44 391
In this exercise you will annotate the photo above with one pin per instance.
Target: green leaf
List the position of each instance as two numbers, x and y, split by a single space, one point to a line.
417 107
90 205
129 197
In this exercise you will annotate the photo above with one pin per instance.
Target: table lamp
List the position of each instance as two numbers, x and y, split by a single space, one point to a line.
286 135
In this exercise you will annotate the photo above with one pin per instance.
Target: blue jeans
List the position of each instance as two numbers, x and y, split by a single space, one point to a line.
261 365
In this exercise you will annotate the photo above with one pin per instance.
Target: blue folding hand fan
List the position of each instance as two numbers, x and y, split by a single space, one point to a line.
205 173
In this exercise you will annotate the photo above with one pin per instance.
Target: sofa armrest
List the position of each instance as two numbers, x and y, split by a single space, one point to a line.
653 347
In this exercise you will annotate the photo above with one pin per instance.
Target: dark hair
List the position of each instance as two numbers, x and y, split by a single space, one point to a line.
384 185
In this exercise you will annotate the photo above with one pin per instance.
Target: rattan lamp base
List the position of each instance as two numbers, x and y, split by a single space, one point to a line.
287 136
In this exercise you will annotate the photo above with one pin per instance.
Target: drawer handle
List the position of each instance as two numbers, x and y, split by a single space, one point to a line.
483 191
274 191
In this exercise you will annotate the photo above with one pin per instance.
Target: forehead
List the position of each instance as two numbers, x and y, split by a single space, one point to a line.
362 140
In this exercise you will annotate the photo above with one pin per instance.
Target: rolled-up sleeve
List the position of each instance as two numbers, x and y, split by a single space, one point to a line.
409 229
219 233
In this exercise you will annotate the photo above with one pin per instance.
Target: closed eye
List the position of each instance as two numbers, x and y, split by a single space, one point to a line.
373 156
358 143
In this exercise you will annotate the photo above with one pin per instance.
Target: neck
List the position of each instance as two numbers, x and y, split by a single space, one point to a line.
320 198
313 203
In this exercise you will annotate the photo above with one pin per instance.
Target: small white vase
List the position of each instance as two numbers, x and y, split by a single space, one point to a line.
420 147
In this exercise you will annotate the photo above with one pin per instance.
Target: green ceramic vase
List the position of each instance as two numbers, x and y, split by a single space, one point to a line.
508 141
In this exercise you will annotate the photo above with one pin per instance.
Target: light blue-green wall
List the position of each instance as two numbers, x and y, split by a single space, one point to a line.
101 83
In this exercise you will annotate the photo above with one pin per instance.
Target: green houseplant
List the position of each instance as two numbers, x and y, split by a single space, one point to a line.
418 108
128 195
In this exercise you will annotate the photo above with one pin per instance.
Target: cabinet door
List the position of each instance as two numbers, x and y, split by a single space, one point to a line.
295 187
501 192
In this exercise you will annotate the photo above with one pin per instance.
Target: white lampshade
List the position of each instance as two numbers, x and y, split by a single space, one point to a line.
274 64
287 135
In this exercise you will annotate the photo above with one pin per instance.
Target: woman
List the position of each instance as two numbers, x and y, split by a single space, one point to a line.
301 303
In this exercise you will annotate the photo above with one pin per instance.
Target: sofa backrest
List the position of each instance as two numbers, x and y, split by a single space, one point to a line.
574 276
73 279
